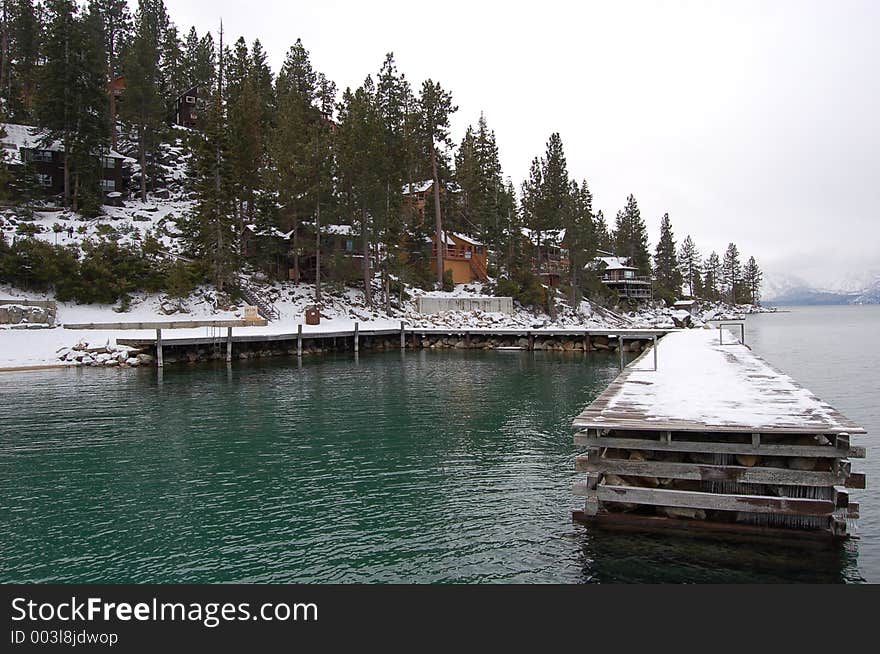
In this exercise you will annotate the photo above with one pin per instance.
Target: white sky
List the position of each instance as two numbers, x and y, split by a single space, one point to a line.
754 122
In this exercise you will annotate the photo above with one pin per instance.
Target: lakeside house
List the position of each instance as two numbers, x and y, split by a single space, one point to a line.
618 274
341 250
464 256
186 112
549 254
26 151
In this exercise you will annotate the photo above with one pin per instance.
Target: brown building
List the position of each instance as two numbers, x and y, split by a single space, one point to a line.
619 274
464 256
23 146
186 108
548 254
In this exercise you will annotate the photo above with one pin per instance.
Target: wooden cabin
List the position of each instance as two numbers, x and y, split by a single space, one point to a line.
619 274
24 148
548 254
186 108
463 255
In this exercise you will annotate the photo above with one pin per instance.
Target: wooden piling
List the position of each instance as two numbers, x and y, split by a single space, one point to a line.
356 337
159 359
402 336
299 340
229 343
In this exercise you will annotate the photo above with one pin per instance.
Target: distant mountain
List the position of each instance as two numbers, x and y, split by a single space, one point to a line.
785 290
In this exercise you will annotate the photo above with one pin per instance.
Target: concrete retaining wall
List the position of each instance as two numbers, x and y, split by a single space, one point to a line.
486 304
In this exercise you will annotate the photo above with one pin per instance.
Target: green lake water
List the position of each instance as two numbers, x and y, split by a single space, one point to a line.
415 467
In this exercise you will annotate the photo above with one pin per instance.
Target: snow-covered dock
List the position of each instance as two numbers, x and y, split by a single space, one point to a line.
715 438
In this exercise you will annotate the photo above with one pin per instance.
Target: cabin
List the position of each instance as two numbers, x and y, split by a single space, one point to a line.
341 251
463 255
618 274
548 254
23 147
186 108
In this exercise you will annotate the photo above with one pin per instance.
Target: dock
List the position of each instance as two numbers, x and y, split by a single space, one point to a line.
305 339
706 436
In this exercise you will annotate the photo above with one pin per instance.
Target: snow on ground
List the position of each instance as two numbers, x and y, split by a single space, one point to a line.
701 381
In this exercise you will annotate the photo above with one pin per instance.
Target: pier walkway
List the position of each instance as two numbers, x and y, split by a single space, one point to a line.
714 437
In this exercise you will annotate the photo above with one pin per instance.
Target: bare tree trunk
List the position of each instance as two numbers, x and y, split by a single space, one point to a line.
438 220
368 294
4 47
66 175
296 251
142 146
318 253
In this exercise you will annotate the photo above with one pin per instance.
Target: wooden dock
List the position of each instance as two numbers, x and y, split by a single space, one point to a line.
409 337
708 436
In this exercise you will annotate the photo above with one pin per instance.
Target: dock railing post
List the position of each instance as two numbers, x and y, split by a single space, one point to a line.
654 338
402 336
620 349
355 336
299 340
229 343
159 358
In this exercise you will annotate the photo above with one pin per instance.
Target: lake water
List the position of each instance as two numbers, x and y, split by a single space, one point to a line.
415 467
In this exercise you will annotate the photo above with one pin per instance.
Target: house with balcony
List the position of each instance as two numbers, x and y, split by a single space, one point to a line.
548 254
463 255
25 148
618 274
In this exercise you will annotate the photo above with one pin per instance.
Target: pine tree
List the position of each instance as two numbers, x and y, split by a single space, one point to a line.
732 274
72 103
752 280
666 269
20 45
116 25
690 266
434 109
143 107
359 149
631 236
580 237
210 231
604 239
713 277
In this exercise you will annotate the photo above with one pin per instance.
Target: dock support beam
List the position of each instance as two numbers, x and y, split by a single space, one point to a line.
402 336
356 338
159 358
299 340
654 346
586 342
531 342
229 343
620 350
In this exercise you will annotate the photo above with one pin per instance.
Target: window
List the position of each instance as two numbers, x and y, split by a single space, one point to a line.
190 99
628 274
39 155
108 185
108 162
44 180
349 246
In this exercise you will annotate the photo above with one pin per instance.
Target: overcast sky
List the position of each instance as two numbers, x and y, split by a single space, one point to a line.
752 122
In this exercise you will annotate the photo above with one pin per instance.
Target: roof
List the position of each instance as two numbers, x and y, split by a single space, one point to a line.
548 236
466 239
685 303
614 263
338 230
28 137
418 187
701 385
270 231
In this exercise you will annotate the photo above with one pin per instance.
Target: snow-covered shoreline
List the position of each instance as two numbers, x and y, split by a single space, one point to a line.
22 347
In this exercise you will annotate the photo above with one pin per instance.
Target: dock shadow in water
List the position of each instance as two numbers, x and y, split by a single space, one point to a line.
613 556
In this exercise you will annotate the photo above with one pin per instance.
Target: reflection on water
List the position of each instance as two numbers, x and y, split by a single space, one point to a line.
415 467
